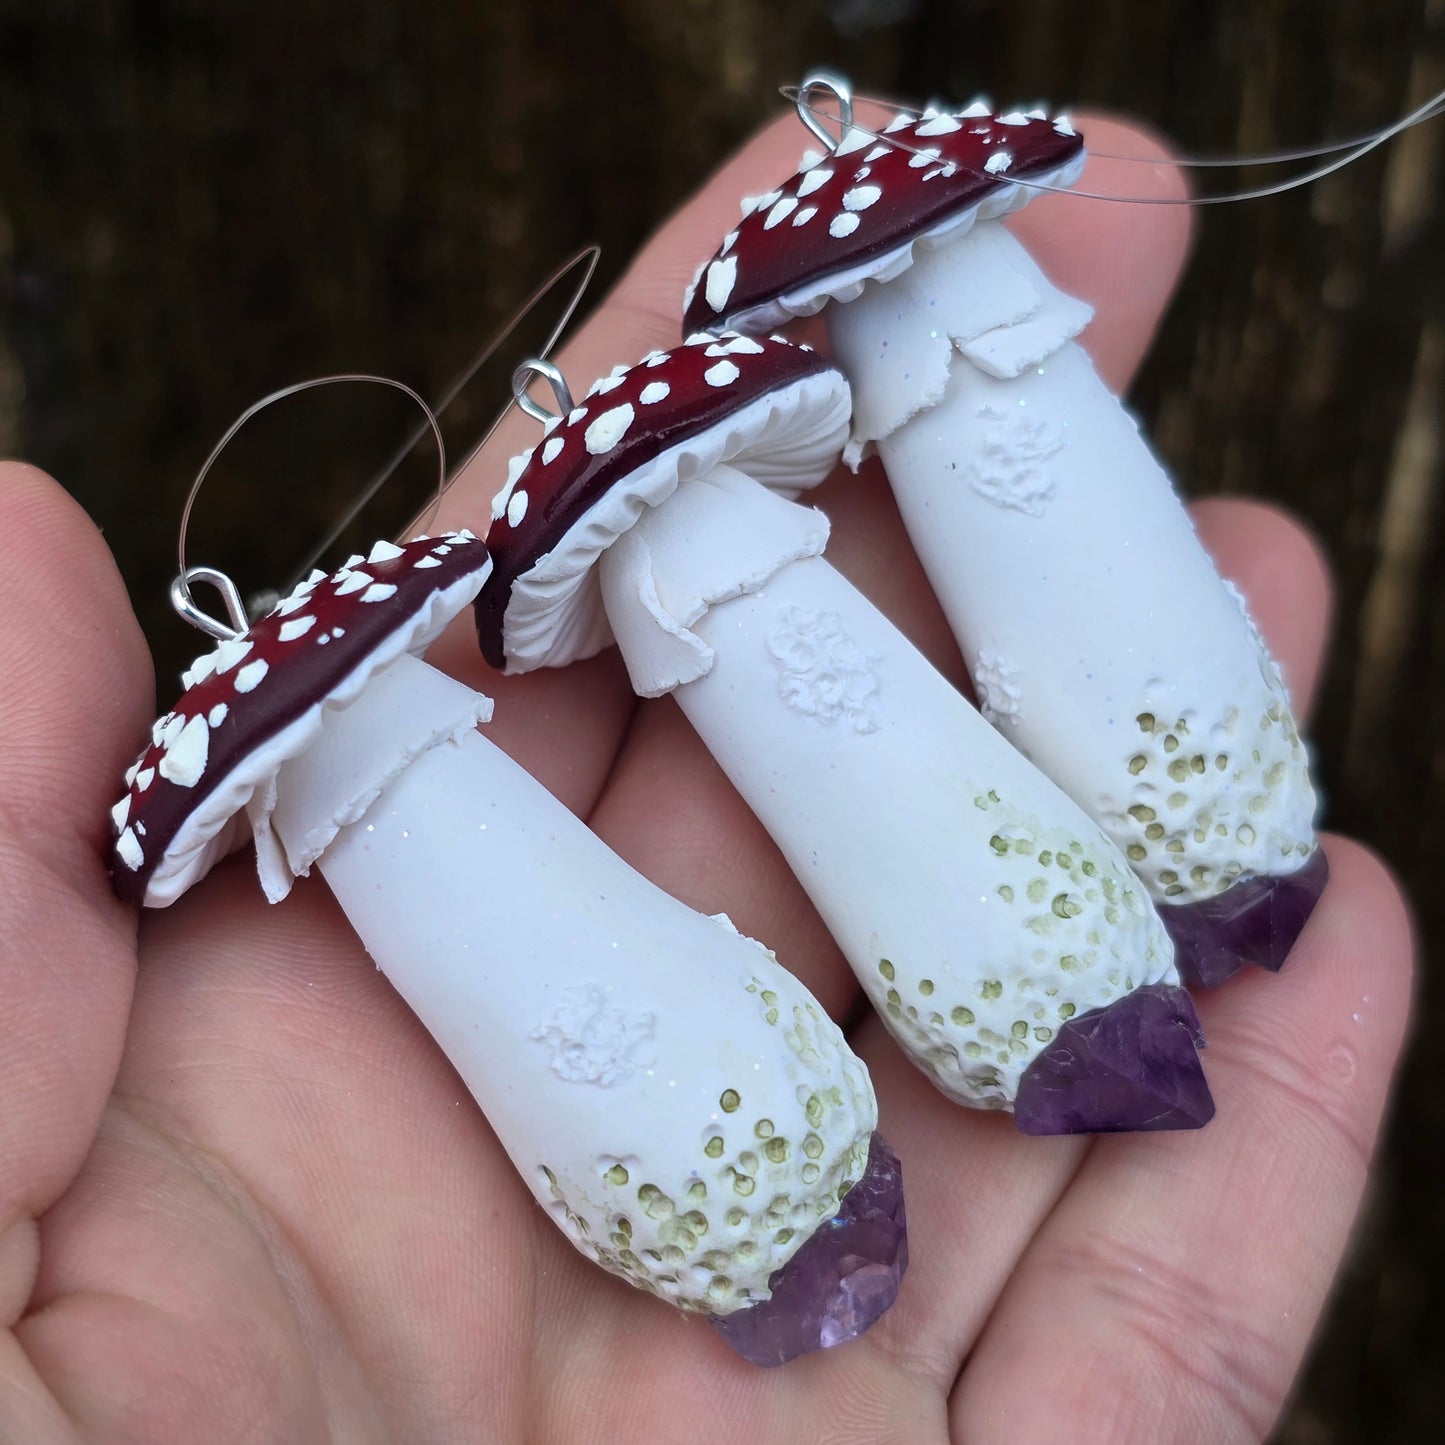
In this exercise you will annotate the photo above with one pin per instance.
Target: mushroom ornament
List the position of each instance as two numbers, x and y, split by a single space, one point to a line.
678 1103
1101 639
996 929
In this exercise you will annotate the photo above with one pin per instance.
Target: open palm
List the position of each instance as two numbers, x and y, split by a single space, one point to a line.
244 1197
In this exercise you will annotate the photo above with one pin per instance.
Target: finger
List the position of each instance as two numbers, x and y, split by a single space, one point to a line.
1172 1292
75 700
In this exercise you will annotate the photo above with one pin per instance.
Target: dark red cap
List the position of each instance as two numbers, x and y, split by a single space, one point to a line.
635 435
258 700
855 214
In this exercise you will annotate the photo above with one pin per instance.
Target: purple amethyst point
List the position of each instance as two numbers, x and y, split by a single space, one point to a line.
1132 1065
1255 921
841 1281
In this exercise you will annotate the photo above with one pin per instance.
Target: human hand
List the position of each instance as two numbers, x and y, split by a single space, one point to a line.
251 1201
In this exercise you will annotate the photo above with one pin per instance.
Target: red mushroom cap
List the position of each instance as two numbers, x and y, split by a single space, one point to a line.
778 410
855 215
258 700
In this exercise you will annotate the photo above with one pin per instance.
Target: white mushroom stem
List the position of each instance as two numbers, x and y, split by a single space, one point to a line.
676 1100
1101 639
978 906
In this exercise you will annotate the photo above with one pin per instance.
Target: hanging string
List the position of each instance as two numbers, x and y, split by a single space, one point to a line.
1345 152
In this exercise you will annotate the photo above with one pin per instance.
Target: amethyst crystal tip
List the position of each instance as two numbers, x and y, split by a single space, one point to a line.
840 1282
1129 1066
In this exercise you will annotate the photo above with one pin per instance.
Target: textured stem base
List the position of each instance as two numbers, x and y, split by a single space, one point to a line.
1131 1066
840 1282
1256 921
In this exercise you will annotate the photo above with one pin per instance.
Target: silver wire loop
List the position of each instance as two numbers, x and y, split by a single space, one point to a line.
522 379
187 607
825 83
181 599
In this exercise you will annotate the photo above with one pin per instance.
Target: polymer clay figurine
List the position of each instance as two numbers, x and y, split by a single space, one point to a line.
1102 642
999 932
680 1105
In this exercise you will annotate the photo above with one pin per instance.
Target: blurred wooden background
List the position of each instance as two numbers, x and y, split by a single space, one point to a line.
202 201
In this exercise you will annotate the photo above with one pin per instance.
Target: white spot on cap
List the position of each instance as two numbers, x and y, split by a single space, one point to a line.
861 197
175 725
780 212
384 551
230 652
843 224
610 382
654 392
381 591
899 122
130 774
1063 125
516 509
812 181
736 345
723 373
729 241
300 626
1037 113
998 163
515 467
654 358
129 850
855 140
609 429
720 278
199 671
249 677
353 582
940 125
1014 117
877 154
810 159
428 561
355 560
805 215
185 759
575 415
749 204
297 599
120 813
925 157
217 714
551 451
977 108
144 779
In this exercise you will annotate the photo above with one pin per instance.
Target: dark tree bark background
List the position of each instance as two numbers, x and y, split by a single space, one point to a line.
202 201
